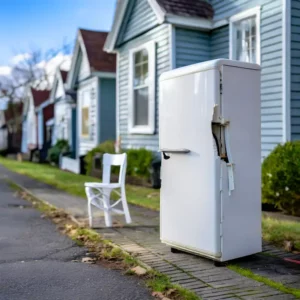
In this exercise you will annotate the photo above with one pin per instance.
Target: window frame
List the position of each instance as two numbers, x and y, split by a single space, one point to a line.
253 12
150 128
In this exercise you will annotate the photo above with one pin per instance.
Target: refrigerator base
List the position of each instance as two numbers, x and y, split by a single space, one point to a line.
216 257
177 248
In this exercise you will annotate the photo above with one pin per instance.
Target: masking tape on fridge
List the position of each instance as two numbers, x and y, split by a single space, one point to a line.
230 162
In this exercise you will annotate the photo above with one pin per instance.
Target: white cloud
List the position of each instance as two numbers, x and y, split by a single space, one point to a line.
19 58
60 60
5 70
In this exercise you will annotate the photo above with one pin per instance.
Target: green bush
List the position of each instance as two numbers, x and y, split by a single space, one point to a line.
139 162
105 147
281 178
61 146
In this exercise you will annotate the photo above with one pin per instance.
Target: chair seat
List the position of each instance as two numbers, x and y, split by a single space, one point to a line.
102 185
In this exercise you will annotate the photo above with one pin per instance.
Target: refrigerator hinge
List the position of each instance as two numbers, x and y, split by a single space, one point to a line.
221 86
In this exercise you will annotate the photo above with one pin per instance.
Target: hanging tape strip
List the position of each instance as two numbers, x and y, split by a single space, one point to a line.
230 162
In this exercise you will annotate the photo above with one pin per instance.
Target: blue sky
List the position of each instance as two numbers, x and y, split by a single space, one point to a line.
44 24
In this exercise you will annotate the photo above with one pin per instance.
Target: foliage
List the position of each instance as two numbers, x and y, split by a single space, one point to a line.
105 147
281 178
139 162
61 146
74 183
277 232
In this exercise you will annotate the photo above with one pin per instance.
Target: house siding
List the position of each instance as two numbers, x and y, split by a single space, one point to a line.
220 43
271 62
295 70
192 46
107 109
139 18
160 35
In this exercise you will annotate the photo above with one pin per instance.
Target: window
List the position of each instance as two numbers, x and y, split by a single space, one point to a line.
142 89
49 130
85 122
245 36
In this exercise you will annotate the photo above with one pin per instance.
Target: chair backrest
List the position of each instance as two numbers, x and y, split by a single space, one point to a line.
114 160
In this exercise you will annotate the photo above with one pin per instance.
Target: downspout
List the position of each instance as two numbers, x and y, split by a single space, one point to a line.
286 70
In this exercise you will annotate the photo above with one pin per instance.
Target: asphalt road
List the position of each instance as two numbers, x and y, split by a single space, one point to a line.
36 261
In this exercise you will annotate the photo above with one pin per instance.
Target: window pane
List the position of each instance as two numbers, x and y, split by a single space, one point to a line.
85 121
141 67
137 57
253 56
141 106
245 43
137 75
144 55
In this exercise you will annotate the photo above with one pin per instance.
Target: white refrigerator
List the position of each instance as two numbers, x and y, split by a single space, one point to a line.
210 141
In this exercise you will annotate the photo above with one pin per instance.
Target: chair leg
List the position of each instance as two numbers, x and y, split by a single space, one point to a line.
125 206
88 194
107 211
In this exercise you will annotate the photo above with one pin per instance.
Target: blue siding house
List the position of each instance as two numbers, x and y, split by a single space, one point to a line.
91 83
153 36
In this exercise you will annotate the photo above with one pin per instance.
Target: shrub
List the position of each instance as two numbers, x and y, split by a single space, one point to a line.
139 162
105 147
281 178
61 146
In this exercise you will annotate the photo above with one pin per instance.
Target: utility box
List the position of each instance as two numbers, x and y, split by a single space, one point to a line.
211 159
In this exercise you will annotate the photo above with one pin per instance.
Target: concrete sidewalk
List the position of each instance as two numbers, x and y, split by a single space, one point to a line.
195 273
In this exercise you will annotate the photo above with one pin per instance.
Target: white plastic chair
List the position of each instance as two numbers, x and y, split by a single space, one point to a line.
98 194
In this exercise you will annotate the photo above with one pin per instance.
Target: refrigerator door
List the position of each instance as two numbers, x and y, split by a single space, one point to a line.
241 208
190 174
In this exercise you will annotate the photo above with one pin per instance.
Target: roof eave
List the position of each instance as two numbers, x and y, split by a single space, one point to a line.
190 22
111 39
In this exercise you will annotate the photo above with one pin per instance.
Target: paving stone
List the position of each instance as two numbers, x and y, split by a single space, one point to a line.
263 295
193 284
280 297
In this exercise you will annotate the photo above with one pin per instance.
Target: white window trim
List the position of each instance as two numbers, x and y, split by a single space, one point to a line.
150 128
253 12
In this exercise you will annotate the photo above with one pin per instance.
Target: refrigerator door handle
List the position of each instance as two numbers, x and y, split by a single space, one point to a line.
179 151
176 151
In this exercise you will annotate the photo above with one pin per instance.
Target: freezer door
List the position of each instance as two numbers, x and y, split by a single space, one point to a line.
241 207
190 192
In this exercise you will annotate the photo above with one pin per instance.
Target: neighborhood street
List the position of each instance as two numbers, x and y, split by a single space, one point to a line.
37 262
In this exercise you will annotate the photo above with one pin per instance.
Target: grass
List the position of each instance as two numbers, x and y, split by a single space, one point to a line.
74 184
276 285
278 231
161 283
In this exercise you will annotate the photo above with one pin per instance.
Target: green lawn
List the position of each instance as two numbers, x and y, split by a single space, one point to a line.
74 184
277 231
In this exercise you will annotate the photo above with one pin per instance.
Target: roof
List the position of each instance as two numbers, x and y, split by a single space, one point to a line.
196 14
39 96
48 112
64 75
98 59
187 8
9 112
